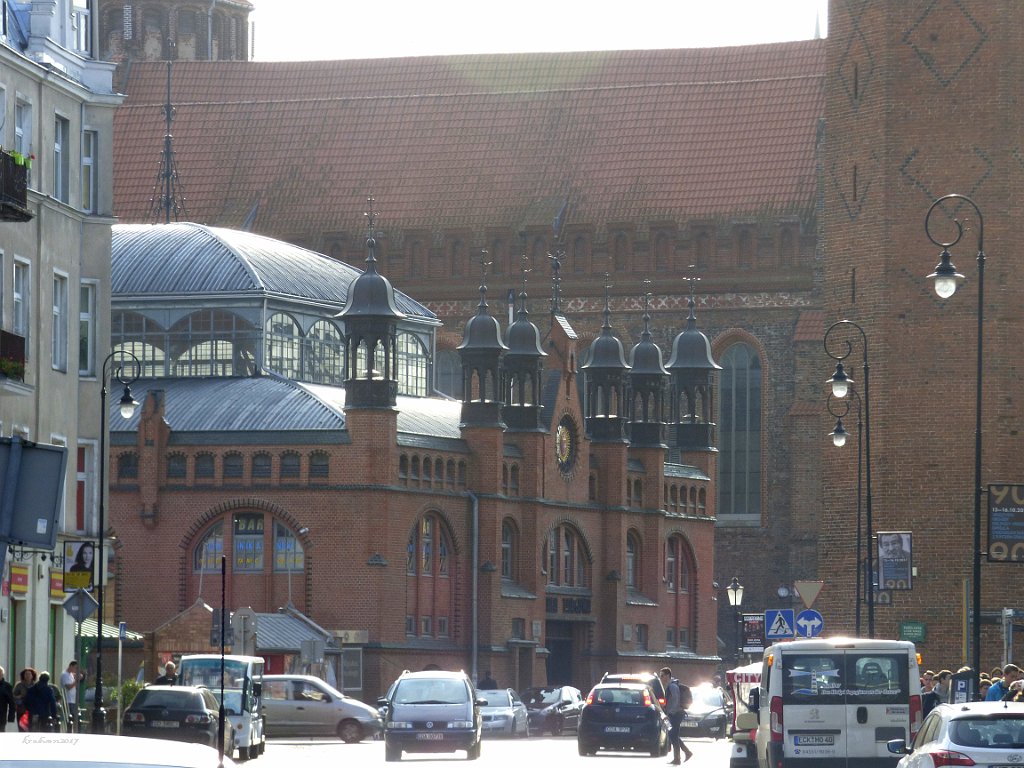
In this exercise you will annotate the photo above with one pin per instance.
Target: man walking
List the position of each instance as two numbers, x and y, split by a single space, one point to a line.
7 705
677 699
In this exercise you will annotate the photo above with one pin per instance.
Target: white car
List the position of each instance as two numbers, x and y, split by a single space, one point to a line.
982 733
303 705
86 750
504 713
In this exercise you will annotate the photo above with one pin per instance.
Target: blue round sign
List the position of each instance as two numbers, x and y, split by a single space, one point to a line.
809 623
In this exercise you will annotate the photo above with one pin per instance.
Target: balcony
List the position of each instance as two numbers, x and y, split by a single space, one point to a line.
12 365
14 187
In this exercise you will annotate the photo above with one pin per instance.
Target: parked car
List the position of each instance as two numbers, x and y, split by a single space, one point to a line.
554 709
304 705
982 733
649 679
623 716
178 713
504 714
433 711
709 715
87 750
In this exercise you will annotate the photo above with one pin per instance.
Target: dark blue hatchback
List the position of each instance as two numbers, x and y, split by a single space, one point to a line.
623 716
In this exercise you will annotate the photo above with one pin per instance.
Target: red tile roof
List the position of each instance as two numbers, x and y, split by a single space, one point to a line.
479 141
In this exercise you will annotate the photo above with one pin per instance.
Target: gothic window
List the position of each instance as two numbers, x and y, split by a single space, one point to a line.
457 257
324 359
662 252
739 458
412 366
498 256
680 604
565 558
429 590
632 560
578 254
509 553
620 252
745 246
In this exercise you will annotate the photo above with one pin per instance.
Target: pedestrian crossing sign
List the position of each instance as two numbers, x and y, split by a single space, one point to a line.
779 624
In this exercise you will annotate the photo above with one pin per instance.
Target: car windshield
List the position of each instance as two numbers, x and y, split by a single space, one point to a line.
494 698
430 691
619 696
542 697
710 697
1000 732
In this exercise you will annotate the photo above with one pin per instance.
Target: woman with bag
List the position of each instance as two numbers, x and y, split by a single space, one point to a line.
41 704
26 679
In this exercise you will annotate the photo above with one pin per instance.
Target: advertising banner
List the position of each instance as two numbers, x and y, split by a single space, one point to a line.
895 560
753 632
79 565
1005 523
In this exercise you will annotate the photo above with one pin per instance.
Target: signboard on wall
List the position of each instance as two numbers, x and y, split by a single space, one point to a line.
753 632
895 560
1006 523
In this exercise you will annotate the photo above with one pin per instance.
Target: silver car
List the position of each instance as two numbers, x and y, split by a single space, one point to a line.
504 714
981 733
303 705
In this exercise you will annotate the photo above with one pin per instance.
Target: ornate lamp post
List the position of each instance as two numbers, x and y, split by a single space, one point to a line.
839 435
946 280
840 388
735 593
126 371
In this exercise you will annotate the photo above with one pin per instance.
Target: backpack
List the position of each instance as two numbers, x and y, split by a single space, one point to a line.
685 695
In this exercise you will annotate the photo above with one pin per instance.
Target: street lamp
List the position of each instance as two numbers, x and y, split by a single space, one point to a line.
946 280
735 593
126 372
839 435
840 388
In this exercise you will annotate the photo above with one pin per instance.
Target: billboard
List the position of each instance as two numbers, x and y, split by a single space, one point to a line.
31 492
895 560
79 565
1005 523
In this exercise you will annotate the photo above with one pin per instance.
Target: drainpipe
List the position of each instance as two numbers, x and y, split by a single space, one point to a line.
209 30
475 584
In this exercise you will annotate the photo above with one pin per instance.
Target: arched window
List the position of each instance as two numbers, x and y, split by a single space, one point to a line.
206 556
412 366
177 466
319 467
680 605
232 468
247 542
509 550
204 467
620 252
739 433
632 560
578 254
284 346
261 465
662 252
565 558
429 589
324 360
128 466
291 465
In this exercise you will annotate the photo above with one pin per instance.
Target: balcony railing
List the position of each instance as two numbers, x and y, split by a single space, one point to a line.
14 187
12 356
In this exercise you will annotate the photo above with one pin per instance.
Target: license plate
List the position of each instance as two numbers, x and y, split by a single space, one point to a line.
165 724
616 729
689 723
430 736
814 741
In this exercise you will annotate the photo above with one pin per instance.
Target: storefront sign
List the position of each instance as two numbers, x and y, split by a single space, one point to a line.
19 579
57 584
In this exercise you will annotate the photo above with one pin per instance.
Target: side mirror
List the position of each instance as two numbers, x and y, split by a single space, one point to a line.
383 702
898 747
257 689
480 702
754 702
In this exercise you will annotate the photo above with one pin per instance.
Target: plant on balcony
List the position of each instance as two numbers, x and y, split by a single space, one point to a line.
12 369
20 159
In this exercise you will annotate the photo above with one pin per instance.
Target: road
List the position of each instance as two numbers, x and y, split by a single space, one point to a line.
553 751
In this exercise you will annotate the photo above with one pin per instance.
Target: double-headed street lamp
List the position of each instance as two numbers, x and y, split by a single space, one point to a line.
126 371
946 280
841 382
839 436
735 593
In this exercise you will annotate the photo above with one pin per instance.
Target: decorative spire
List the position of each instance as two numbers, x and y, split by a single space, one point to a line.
556 279
691 303
523 311
645 335
168 193
484 264
607 327
371 243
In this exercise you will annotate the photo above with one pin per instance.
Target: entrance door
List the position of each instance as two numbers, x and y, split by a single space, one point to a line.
558 640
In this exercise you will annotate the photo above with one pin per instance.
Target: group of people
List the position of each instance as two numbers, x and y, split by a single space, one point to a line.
1003 684
31 703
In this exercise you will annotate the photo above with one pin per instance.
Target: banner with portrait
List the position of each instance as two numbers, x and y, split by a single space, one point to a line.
1006 523
895 560
79 565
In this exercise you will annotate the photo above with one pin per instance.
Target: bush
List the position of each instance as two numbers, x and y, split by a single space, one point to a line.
126 693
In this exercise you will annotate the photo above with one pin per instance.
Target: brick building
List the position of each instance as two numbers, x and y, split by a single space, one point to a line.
790 178
288 423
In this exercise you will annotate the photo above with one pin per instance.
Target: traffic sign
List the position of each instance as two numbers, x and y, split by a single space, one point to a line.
809 623
778 624
80 605
808 591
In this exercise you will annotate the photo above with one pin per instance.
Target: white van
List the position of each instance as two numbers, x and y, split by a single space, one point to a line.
836 702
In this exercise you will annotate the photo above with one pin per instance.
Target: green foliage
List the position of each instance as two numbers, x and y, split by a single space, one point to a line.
126 693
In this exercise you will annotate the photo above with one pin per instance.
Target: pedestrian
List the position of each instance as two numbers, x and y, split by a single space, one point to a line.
41 705
999 689
983 685
927 681
1016 691
169 677
943 681
8 707
488 683
69 681
26 679
678 698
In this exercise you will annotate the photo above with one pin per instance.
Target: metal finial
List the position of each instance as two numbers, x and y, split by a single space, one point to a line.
691 303
607 302
556 280
371 243
646 333
484 264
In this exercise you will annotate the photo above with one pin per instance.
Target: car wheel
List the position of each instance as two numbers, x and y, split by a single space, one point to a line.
585 749
473 753
350 731
392 754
